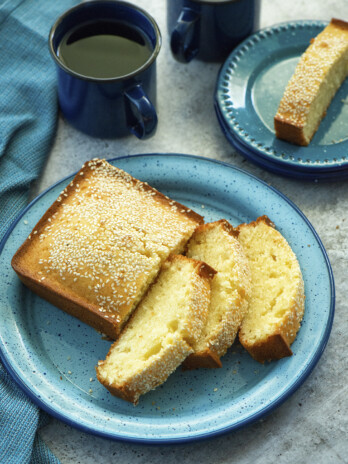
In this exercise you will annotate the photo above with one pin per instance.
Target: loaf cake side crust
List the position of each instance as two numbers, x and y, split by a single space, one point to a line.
99 246
206 359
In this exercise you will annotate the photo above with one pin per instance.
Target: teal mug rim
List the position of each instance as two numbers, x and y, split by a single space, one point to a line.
147 63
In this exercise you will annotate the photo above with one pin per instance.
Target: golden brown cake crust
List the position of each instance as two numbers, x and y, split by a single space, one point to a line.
340 23
74 306
274 347
288 130
56 294
227 227
204 359
265 219
55 291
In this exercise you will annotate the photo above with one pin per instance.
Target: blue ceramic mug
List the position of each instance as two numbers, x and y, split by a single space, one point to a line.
112 106
209 29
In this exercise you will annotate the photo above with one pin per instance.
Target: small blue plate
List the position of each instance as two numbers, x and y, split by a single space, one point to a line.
52 355
278 168
249 88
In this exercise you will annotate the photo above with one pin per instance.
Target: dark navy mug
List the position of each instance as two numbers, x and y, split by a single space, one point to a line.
209 29
116 105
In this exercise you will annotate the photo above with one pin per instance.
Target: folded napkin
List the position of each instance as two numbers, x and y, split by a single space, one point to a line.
28 117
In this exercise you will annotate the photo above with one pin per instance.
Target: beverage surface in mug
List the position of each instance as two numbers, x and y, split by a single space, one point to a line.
104 49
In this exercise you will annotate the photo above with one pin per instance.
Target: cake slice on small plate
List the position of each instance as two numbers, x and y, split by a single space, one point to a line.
320 72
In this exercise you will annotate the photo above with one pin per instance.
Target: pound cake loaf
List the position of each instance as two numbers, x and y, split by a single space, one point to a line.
277 303
217 244
161 331
318 75
96 250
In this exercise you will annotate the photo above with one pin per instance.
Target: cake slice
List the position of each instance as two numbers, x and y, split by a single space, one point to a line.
277 303
161 332
318 75
217 244
96 250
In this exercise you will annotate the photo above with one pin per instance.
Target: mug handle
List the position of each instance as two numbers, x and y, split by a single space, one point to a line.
184 38
144 122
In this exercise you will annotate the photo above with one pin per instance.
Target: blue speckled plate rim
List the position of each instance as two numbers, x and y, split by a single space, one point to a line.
239 133
276 168
213 433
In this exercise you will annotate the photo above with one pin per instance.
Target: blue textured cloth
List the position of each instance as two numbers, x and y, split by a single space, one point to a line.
28 117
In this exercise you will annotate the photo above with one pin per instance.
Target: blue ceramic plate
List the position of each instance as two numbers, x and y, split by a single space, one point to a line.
249 88
278 168
52 355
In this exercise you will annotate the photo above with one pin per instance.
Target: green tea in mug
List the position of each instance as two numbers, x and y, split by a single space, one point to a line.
104 49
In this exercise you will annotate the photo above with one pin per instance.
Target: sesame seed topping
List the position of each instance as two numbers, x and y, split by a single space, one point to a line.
106 239
310 74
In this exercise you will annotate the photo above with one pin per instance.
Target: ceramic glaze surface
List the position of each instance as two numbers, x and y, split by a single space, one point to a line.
53 356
